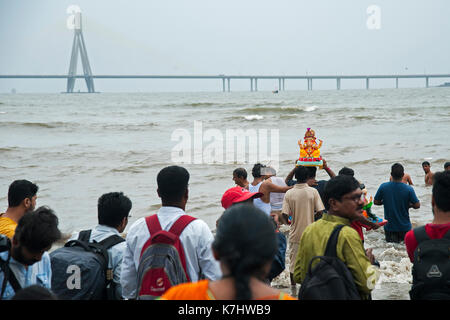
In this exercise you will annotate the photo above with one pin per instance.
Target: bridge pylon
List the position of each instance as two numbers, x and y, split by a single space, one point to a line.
79 46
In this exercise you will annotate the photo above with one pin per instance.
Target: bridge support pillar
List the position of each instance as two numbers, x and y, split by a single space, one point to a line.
427 83
396 83
367 83
338 83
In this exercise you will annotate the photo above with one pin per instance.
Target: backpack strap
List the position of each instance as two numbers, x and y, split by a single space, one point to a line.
179 225
420 234
8 276
153 224
330 250
84 235
111 241
447 235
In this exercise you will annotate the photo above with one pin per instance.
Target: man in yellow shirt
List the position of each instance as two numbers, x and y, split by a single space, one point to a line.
21 199
344 202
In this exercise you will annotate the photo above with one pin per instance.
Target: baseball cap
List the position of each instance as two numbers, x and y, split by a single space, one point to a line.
238 194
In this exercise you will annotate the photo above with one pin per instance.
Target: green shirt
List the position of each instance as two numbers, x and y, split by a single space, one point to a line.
350 250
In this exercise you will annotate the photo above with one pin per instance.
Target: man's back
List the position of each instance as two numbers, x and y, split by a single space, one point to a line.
196 240
301 202
349 249
396 198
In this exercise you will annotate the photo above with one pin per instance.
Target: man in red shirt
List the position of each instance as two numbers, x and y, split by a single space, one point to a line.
440 202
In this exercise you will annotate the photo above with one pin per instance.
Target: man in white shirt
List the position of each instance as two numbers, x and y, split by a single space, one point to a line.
196 238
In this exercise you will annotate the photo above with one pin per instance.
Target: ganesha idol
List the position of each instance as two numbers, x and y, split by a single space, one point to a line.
310 150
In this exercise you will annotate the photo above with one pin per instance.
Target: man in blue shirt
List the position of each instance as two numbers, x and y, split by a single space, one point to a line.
397 198
26 261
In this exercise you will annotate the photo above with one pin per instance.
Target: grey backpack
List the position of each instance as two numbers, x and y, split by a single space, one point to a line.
80 269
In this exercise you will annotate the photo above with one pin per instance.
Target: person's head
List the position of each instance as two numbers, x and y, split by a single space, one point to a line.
240 176
311 172
113 209
346 172
426 166
301 174
397 171
22 193
343 197
238 195
35 233
268 172
447 166
256 170
173 184
441 192
245 244
311 180
34 292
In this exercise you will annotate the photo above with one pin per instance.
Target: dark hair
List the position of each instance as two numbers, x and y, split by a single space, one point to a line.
256 171
301 174
20 190
397 171
245 241
441 190
112 208
38 230
337 187
240 173
172 183
446 165
426 163
34 292
346 172
311 172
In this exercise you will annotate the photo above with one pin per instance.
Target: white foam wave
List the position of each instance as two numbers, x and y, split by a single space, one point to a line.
310 108
253 117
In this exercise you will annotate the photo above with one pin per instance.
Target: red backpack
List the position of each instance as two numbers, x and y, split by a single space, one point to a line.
162 263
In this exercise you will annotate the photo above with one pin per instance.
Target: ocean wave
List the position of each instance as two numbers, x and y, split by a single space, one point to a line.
253 117
281 109
193 104
44 125
363 117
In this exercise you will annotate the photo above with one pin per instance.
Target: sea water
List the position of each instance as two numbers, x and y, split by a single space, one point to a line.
78 146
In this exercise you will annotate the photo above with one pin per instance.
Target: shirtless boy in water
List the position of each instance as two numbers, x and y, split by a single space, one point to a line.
428 174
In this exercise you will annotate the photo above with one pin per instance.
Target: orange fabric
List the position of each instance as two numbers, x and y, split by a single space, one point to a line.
7 226
200 291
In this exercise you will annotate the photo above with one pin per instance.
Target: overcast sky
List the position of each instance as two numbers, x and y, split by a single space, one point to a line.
222 37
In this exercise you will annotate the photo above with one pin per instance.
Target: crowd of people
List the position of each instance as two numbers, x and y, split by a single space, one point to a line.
172 255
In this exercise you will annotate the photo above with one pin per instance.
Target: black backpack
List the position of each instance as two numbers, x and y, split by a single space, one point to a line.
431 268
330 279
80 269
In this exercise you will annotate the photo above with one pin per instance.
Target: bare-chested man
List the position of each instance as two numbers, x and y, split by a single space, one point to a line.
428 174
261 184
406 179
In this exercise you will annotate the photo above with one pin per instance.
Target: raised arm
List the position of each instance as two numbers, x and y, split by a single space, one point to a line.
328 169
